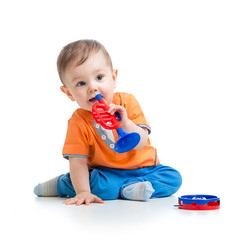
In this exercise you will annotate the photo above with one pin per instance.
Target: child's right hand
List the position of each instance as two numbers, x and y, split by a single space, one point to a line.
84 197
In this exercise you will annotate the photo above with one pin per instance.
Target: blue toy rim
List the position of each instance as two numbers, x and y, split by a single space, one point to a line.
199 199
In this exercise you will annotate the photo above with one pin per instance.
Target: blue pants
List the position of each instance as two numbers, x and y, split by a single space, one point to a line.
107 183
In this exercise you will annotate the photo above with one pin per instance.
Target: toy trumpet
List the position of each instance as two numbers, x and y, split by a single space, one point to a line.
126 141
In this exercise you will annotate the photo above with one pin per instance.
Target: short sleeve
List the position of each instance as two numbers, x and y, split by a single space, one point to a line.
135 112
76 142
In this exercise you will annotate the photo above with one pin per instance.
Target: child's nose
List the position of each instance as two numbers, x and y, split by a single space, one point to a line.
92 88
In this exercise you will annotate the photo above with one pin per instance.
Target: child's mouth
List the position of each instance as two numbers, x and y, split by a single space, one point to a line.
93 100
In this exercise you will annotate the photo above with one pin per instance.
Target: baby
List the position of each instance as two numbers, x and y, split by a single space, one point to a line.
97 172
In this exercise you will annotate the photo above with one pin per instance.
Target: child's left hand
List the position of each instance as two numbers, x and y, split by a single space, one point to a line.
122 112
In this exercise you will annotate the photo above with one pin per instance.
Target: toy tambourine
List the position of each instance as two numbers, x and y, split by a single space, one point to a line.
198 202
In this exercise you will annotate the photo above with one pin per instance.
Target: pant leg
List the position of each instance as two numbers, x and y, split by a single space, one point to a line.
165 180
104 183
108 183
65 187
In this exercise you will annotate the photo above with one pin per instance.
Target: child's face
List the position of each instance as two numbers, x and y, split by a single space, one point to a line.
84 82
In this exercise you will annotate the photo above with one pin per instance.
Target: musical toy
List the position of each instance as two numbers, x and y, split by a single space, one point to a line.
126 141
198 202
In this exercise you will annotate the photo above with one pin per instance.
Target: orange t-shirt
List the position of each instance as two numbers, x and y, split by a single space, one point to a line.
86 138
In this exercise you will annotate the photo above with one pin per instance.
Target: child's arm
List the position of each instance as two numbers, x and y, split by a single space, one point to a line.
80 179
129 126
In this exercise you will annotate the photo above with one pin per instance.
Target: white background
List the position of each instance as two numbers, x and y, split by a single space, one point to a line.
179 58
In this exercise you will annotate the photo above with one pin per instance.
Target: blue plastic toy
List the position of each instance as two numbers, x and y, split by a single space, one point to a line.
126 141
198 202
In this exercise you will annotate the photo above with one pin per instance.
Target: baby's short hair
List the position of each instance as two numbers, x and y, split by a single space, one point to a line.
79 51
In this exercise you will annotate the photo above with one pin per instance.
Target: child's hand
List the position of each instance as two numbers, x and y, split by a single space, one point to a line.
83 198
122 112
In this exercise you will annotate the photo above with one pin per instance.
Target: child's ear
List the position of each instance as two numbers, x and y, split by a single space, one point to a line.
114 76
67 92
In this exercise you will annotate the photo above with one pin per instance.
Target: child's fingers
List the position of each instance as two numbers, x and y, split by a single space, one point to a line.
112 109
111 104
115 108
93 199
80 201
73 201
70 201
99 200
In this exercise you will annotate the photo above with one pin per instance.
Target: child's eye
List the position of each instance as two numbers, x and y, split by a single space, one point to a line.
81 83
99 77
